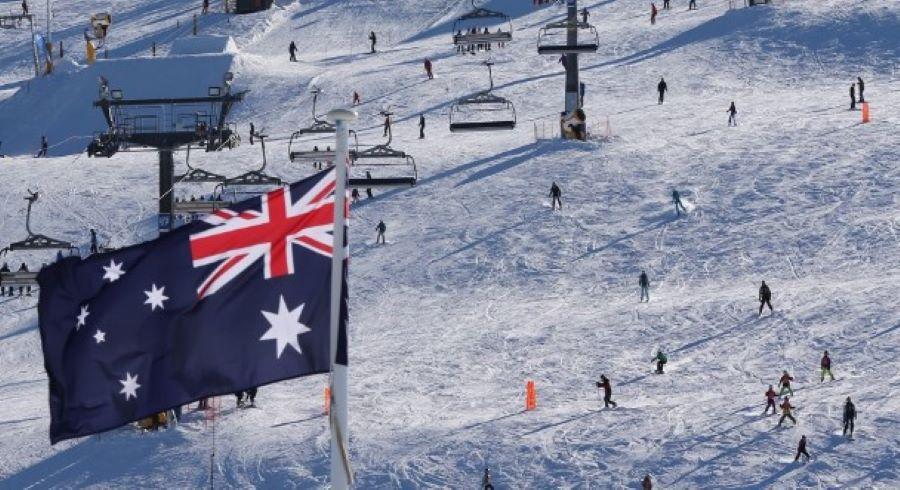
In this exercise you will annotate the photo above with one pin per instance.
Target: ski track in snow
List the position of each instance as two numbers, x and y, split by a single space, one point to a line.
482 287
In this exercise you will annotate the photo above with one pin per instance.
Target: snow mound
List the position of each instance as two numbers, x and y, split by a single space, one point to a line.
203 45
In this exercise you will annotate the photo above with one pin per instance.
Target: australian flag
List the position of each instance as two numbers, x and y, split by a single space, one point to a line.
234 301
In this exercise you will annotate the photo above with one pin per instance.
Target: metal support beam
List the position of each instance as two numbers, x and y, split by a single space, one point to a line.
572 99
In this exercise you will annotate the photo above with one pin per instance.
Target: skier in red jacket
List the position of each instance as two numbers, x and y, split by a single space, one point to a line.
770 401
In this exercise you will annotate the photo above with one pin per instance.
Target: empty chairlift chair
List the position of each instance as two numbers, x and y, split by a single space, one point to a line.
318 127
553 38
253 182
481 27
392 168
483 111
197 175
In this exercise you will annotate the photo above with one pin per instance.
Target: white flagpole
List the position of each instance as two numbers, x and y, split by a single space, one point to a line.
341 476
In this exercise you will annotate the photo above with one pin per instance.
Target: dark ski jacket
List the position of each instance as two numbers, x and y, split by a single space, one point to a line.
607 387
661 357
765 293
662 86
786 407
555 191
421 121
785 380
801 448
862 86
381 227
826 362
849 411
732 109
644 281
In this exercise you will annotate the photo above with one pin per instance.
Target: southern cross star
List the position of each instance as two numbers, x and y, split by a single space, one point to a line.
156 297
113 271
82 317
285 327
129 386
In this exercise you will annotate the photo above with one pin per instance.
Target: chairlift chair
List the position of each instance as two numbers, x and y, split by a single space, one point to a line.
383 159
553 38
461 27
256 177
197 175
36 241
483 111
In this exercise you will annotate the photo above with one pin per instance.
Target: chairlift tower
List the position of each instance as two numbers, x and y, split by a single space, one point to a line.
168 124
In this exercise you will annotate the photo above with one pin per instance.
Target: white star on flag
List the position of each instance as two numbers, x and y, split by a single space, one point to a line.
82 317
285 327
155 297
113 271
129 386
100 336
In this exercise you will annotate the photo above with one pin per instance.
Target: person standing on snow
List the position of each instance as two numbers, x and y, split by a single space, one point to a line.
486 480
562 61
732 115
607 391
849 416
356 100
585 14
387 125
368 189
801 449
661 361
381 229
647 483
644 282
692 5
665 4
653 13
94 247
292 49
555 194
785 383
205 9
24 7
676 199
354 195
826 366
421 126
765 298
373 40
852 97
786 408
770 401
43 151
862 86
252 132
428 72
662 88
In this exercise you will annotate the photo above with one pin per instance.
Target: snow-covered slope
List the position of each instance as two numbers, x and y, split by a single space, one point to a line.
482 287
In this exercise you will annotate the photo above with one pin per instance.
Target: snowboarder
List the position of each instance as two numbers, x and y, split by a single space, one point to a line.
421 126
607 391
585 14
373 40
826 366
770 401
801 449
862 86
205 9
252 132
732 115
849 416
381 228
644 282
785 383
354 195
428 72
356 100
662 88
486 480
43 150
368 189
765 298
653 13
555 194
692 5
647 483
661 361
94 247
24 7
676 199
786 408
292 49
852 97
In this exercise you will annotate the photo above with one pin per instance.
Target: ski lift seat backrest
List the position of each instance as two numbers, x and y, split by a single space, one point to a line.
9 279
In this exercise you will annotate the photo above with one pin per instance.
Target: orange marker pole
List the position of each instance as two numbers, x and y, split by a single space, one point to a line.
327 400
530 396
865 112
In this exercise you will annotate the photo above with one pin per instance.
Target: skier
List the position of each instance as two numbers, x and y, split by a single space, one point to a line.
387 125
94 247
732 113
801 449
849 416
862 86
252 132
653 13
251 397
562 61
662 88
770 401
486 480
23 268
785 383
373 40
665 4
3 270
428 72
381 228
24 7
607 391
555 194
647 483
585 14
368 189
581 88
786 408
692 5
356 100
661 361
644 282
43 150
676 199
826 366
354 195
765 298
421 126
292 49
205 9
852 97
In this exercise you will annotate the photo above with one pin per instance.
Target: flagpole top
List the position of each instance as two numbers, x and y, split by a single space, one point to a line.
340 114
